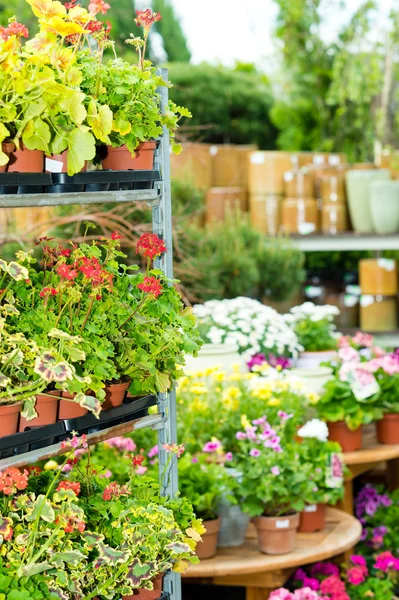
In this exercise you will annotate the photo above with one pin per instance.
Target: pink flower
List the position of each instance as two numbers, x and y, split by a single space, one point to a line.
284 416
212 446
194 460
240 435
386 562
357 575
140 470
228 456
348 354
146 18
254 453
281 594
261 421
379 352
153 452
98 6
364 340
344 341
275 471
357 560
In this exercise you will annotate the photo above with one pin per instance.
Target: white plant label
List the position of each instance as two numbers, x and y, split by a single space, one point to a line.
312 508
386 263
366 301
350 301
213 150
53 166
282 524
257 158
334 471
306 228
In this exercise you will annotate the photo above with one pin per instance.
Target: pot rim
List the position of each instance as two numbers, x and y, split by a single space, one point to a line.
10 408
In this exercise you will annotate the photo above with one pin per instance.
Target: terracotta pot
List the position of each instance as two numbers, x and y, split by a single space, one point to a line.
46 408
334 219
378 276
388 429
121 159
332 188
7 148
9 415
313 518
207 548
69 409
276 535
58 163
115 394
193 166
26 161
348 440
148 594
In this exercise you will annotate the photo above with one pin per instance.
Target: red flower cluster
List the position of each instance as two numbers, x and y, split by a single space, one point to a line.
150 245
14 28
48 292
146 18
116 236
69 485
98 6
334 587
34 470
69 5
92 270
66 272
73 524
13 480
94 26
114 491
138 460
152 286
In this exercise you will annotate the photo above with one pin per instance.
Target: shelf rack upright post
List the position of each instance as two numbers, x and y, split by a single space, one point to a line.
164 421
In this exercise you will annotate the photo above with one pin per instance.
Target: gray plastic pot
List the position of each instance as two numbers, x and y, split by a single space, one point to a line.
234 523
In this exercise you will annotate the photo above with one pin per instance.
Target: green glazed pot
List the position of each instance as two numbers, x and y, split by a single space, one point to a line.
358 185
384 206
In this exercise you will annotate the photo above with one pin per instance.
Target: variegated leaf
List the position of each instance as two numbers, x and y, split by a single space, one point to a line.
138 572
29 411
17 271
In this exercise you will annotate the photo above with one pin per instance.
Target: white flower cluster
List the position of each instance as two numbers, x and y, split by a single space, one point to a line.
313 312
314 429
247 323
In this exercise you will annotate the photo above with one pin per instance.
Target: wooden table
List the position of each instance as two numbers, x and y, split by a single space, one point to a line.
261 573
366 459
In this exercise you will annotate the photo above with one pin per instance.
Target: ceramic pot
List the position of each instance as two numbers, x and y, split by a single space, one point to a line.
115 394
46 408
68 409
233 527
26 161
312 518
314 379
121 159
7 148
313 360
388 429
9 415
378 276
215 355
358 185
148 594
276 535
384 206
207 548
349 440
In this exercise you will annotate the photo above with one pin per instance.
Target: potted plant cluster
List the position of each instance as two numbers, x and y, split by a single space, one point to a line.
80 324
67 103
89 536
316 333
242 325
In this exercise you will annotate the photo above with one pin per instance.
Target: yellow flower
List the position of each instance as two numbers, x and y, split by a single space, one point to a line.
313 398
60 27
219 377
51 465
274 402
232 392
245 421
235 377
211 370
198 388
47 8
183 383
262 393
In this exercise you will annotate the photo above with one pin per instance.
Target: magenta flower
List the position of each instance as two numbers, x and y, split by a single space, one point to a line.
212 446
254 453
284 416
194 460
240 435
153 452
261 421
256 361
228 456
357 575
275 471
358 560
387 562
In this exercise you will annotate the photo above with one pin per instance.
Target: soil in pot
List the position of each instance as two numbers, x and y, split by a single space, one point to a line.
115 394
46 408
349 440
276 535
207 548
148 594
68 409
9 415
312 518
121 159
388 429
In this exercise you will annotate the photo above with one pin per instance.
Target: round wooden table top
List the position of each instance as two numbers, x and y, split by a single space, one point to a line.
373 454
342 532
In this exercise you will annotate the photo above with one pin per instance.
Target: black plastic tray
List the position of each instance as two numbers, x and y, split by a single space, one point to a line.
41 437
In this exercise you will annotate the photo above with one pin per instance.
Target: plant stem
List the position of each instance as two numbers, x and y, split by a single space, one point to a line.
87 314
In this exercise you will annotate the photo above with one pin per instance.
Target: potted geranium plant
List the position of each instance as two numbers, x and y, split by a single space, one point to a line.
275 484
242 326
386 372
327 474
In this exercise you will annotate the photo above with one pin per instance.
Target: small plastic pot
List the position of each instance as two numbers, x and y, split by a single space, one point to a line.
121 159
115 394
68 409
46 408
349 440
9 415
207 548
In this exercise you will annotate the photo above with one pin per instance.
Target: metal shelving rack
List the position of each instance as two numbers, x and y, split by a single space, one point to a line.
164 421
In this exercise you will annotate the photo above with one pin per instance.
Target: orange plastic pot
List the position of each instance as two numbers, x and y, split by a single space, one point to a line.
8 148
276 535
115 394
349 440
68 409
312 518
207 548
388 429
121 159
46 408
9 415
148 594
26 161
51 165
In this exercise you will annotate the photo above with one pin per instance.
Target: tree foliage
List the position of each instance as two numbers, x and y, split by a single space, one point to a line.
228 105
169 27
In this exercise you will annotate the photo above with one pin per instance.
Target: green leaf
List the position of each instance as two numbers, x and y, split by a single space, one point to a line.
35 568
73 557
43 509
29 411
100 121
90 402
162 382
81 147
17 271
37 135
74 107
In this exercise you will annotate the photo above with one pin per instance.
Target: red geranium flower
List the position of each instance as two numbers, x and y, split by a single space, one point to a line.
48 291
150 245
69 5
138 460
147 18
116 236
98 6
152 286
94 26
14 28
66 272
69 485
13 480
